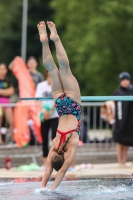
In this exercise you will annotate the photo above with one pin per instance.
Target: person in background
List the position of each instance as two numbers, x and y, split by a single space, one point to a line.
123 131
6 91
48 115
32 65
37 77
29 110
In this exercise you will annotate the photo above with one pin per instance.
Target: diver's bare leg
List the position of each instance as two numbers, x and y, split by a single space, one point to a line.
57 88
70 84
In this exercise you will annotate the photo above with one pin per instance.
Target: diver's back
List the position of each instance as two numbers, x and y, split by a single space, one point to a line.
67 122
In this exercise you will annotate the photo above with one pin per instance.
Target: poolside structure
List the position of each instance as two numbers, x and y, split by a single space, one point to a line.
89 98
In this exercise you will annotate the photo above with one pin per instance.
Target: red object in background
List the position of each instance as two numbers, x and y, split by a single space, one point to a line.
8 163
26 89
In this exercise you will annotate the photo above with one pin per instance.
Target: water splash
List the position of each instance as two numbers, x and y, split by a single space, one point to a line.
7 183
41 190
46 190
111 189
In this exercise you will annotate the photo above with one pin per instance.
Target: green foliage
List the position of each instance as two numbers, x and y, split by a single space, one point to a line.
97 35
10 28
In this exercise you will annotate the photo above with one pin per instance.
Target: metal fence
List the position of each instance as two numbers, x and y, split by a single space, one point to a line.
93 128
97 134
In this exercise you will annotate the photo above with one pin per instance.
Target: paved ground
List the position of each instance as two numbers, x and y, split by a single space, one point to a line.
81 171
88 153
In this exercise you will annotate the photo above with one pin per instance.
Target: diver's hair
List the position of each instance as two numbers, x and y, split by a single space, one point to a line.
58 158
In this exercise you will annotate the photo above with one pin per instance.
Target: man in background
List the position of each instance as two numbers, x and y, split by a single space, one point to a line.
37 78
32 65
49 116
123 132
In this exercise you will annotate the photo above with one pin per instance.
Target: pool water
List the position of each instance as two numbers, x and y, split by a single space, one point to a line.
88 189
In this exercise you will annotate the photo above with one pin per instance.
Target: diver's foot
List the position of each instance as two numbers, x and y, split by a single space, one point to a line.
53 36
42 31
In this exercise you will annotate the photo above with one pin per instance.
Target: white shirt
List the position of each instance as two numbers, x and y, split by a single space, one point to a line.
44 90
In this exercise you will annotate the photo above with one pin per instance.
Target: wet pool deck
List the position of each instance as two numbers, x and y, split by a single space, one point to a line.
96 171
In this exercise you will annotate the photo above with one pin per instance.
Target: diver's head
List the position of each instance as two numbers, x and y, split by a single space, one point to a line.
57 161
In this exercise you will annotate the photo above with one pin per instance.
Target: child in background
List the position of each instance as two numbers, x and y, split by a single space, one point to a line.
6 91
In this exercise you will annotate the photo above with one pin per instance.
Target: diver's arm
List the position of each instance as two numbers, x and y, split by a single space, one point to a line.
60 174
47 173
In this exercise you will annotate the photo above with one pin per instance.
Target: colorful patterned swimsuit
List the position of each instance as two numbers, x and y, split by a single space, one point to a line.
67 106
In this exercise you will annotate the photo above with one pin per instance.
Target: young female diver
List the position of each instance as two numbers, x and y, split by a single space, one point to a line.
66 93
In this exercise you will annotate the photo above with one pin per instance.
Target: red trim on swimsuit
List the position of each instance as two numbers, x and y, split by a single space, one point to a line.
63 136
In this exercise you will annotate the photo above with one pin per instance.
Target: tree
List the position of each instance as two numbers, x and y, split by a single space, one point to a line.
10 28
97 35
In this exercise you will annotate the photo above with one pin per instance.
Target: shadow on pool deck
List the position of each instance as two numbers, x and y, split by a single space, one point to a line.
95 171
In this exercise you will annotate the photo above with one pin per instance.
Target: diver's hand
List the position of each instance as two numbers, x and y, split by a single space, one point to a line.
45 189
